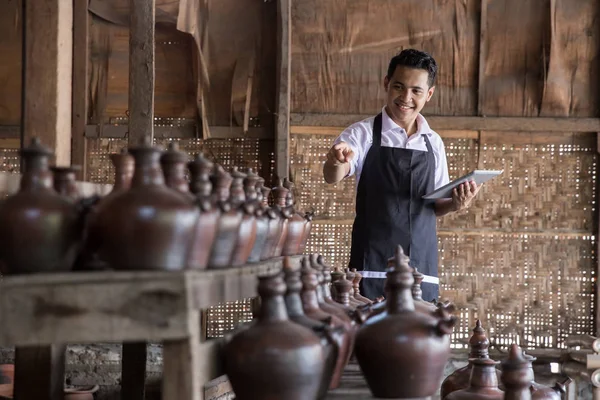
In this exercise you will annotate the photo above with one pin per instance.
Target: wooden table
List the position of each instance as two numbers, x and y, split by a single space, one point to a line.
43 313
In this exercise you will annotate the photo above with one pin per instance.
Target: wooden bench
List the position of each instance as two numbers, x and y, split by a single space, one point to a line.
43 313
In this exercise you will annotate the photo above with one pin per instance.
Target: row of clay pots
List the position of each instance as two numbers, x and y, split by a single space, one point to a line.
481 378
154 218
302 338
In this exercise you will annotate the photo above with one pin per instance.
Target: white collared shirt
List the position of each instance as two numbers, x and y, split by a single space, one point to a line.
359 137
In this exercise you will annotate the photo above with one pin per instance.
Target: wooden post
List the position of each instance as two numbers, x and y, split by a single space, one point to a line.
141 70
48 75
282 117
40 372
482 56
80 92
133 371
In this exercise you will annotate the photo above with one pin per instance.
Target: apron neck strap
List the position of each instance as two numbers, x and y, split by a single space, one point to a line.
427 143
377 130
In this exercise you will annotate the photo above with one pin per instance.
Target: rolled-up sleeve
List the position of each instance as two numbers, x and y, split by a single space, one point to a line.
441 168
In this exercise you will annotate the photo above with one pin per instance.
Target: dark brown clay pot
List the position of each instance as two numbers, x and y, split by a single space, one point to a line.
312 310
308 217
149 226
253 185
206 229
65 181
324 296
356 288
40 230
483 382
332 338
274 358
274 226
247 231
459 379
516 375
173 163
229 221
283 215
403 352
350 278
542 392
296 223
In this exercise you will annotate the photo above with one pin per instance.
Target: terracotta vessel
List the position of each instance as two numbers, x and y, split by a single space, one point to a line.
324 296
149 226
283 215
80 393
516 375
326 284
351 299
308 217
275 226
459 379
542 392
356 288
262 222
332 339
229 221
65 181
274 358
206 228
173 163
483 382
296 223
312 310
40 230
247 232
413 346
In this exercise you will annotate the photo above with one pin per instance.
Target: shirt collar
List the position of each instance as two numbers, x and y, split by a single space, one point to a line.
387 124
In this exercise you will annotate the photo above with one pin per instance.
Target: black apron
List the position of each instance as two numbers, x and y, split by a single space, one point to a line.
390 211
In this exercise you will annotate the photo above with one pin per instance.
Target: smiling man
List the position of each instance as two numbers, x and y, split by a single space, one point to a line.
397 159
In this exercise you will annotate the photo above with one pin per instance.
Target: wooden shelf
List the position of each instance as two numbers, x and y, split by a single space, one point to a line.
81 307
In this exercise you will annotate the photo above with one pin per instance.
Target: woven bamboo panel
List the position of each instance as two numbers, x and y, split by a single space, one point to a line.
10 160
522 258
227 316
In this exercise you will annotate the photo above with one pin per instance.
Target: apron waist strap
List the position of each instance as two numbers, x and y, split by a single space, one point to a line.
382 275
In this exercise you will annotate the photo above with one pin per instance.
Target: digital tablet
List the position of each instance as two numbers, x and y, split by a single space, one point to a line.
479 176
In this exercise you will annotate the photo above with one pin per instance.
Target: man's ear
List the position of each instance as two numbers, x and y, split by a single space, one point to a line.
386 83
430 92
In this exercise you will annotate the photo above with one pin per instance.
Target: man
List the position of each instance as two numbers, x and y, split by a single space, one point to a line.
397 159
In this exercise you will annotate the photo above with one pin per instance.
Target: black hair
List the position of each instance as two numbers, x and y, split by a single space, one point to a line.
414 59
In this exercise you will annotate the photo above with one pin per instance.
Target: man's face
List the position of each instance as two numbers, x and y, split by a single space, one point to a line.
407 92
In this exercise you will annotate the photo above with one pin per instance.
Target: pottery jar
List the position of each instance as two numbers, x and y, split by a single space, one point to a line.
403 352
312 310
229 221
247 231
516 375
206 228
332 338
173 163
40 230
543 392
308 218
296 223
328 304
483 382
274 226
356 288
353 302
283 215
252 185
149 226
274 358
478 348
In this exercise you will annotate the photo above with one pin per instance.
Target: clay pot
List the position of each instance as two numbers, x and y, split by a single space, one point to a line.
403 352
459 379
356 288
483 382
312 310
516 375
206 228
229 221
328 304
262 219
247 207
81 393
173 163
149 226
353 302
332 338
296 223
308 217
65 181
40 230
283 215
542 392
274 358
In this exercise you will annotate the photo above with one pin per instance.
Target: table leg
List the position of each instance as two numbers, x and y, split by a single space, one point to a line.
40 372
133 371
182 378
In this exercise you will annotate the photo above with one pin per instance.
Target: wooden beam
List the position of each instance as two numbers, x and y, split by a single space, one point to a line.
80 92
282 116
337 122
48 75
141 70
482 56
178 132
